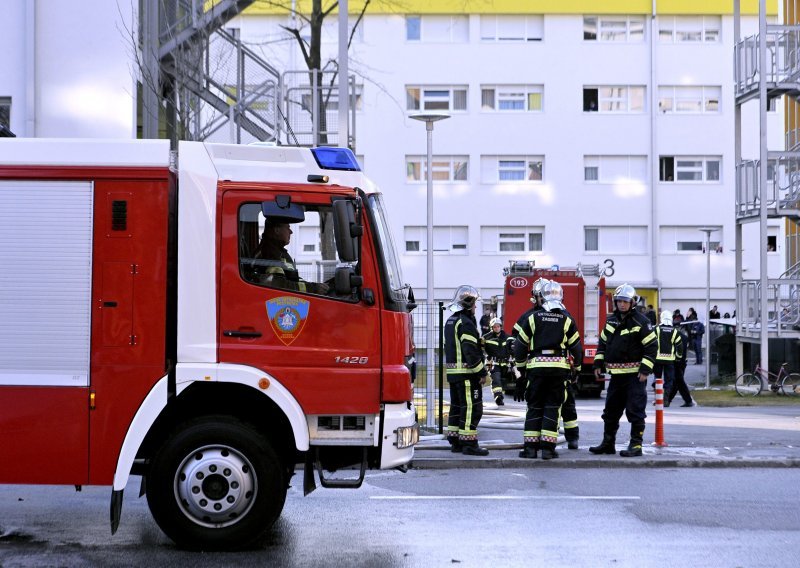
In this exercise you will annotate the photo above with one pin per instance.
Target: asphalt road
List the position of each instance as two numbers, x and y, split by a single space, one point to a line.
469 517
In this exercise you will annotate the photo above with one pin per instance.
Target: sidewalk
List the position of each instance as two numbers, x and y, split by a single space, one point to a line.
767 436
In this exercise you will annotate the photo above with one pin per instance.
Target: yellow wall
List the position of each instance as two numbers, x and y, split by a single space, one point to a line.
663 7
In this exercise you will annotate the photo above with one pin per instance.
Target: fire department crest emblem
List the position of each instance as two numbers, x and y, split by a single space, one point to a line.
287 315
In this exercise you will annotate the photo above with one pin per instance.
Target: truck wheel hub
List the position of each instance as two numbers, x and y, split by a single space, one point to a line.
215 486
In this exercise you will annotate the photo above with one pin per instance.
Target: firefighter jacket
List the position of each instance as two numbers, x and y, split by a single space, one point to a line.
497 347
627 345
680 353
669 344
281 270
545 339
462 349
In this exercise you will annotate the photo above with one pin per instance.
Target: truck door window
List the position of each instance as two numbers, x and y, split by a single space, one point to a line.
297 256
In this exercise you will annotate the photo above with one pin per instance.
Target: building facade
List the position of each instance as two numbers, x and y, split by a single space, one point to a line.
579 133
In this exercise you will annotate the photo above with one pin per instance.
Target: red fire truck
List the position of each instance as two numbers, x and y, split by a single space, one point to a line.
139 334
584 298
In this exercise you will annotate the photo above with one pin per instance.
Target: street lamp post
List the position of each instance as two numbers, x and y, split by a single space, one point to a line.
429 118
708 231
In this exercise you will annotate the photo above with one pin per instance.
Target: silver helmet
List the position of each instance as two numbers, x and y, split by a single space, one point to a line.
465 298
553 295
625 292
536 289
666 317
494 322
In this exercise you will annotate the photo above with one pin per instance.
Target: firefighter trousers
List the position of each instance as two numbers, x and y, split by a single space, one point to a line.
667 370
569 414
625 394
544 396
454 415
467 393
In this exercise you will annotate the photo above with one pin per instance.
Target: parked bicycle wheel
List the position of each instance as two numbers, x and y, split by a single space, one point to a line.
790 385
748 384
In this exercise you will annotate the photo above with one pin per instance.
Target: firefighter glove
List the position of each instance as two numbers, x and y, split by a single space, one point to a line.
519 392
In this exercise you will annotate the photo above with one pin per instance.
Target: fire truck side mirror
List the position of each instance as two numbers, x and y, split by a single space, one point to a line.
346 230
345 280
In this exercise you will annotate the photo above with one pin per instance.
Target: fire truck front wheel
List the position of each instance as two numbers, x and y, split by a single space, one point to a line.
216 484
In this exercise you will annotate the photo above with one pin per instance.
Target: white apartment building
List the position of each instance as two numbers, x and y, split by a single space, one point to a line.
579 132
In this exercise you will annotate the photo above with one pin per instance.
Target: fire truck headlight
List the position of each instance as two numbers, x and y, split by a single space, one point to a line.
407 436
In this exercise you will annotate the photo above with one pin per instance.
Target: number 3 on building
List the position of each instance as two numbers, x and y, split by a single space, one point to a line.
608 271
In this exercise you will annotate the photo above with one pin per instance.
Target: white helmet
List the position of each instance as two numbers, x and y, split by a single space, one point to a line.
625 292
494 322
552 294
666 317
465 298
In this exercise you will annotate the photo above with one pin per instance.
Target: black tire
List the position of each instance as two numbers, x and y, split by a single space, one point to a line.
748 384
239 487
790 385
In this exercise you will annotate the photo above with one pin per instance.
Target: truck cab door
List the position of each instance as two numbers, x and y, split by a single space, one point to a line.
320 343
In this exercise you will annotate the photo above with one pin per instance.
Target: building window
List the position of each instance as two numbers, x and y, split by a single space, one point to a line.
689 29
328 96
443 168
446 239
5 112
436 98
437 29
615 240
512 28
615 169
613 28
681 99
697 169
512 169
511 98
496 239
613 99
687 239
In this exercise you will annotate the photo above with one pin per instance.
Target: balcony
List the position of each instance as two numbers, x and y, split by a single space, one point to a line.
782 192
783 64
783 307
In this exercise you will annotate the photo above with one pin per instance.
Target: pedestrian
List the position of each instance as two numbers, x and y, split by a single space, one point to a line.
466 373
714 313
679 384
651 314
545 340
677 318
496 345
696 330
668 341
485 319
627 349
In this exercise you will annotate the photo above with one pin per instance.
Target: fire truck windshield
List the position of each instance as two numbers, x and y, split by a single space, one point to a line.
391 263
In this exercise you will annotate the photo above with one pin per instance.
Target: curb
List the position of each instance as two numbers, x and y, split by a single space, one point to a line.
478 462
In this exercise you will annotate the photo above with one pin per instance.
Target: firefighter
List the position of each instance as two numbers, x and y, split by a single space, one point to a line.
496 345
281 271
669 349
627 348
466 373
545 340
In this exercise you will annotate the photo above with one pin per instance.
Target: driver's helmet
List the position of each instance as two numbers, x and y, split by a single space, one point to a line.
494 322
666 317
465 298
552 295
625 292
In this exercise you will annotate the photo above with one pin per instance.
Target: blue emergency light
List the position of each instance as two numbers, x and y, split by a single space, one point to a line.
332 158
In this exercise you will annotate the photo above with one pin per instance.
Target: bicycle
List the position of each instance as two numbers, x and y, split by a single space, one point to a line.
784 382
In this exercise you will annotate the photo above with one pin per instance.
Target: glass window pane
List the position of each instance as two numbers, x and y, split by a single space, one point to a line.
534 101
413 171
512 247
412 98
413 28
487 99
535 241
590 239
412 246
712 170
488 27
459 99
460 171
590 173
535 171
589 28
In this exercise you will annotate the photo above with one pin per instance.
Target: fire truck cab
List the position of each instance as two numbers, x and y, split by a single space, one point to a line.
144 329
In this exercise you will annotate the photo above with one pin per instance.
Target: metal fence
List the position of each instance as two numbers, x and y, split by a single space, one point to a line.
429 355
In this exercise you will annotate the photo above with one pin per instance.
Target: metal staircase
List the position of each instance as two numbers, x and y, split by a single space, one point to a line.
778 298
217 81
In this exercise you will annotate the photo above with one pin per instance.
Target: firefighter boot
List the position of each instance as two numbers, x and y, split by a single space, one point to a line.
455 444
549 451
498 398
606 446
635 445
473 449
571 435
530 451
